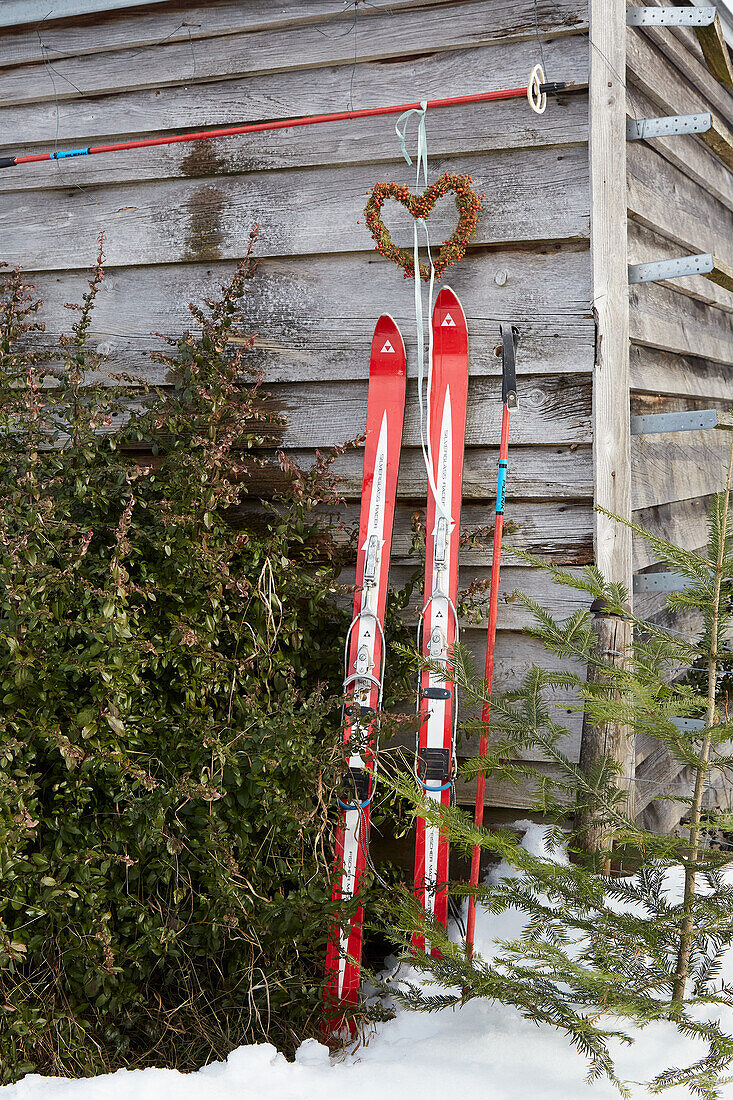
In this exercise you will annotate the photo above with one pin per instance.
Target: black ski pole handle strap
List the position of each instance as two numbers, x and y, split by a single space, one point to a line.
509 341
7 162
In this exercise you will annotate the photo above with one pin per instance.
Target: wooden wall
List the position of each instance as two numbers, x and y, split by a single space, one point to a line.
176 219
680 201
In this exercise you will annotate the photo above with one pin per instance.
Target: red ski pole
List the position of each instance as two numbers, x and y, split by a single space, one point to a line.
537 92
510 337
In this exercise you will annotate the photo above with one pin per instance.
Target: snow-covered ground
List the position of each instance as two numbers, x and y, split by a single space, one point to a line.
477 1052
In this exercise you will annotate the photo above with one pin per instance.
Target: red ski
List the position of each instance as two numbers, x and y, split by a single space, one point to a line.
364 658
437 704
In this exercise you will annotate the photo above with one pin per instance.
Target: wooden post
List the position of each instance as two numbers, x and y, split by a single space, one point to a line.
611 427
609 739
611 431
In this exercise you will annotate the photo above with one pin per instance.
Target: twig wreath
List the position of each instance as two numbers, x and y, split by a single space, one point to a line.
468 204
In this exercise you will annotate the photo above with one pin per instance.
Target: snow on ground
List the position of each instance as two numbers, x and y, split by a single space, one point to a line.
480 1050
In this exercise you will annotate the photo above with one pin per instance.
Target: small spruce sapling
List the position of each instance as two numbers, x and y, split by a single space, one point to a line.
600 952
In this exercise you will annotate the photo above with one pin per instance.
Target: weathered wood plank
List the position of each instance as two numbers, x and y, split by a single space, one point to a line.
304 212
683 522
316 316
661 775
662 199
559 600
657 87
645 403
720 140
716 52
555 409
658 372
664 318
31 11
399 33
366 141
612 541
500 795
535 473
722 275
346 358
284 95
107 31
560 530
690 67
652 606
666 468
193 22
516 654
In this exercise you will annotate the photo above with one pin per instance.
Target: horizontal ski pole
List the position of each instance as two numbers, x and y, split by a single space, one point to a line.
509 401
280 124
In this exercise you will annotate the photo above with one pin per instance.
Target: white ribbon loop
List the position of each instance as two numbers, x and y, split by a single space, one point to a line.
422 139
421 159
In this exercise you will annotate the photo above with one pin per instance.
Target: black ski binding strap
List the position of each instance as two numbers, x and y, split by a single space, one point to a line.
435 693
356 783
356 710
509 341
433 765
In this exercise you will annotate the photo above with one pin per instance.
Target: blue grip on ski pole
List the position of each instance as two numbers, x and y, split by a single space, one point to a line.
70 153
501 487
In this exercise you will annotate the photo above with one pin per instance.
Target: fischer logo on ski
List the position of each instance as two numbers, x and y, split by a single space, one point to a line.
364 660
437 703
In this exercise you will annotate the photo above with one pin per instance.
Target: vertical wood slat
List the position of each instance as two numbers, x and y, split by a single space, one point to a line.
607 740
611 427
611 436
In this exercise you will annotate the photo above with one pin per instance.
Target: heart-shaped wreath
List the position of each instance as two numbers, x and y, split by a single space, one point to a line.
468 204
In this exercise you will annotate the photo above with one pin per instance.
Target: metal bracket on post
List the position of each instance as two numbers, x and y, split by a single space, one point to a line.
704 263
670 17
681 422
644 583
688 725
638 129
701 264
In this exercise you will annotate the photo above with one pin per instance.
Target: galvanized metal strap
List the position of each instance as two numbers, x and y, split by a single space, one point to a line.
670 17
660 582
639 129
676 422
701 264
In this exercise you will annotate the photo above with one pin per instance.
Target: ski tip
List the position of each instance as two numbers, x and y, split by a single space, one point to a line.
388 347
449 302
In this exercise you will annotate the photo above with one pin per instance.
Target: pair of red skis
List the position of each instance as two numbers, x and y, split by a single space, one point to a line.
365 648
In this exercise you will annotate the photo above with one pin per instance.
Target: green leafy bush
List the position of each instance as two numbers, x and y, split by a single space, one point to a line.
169 741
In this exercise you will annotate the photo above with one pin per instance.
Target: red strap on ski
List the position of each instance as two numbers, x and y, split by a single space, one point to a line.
364 661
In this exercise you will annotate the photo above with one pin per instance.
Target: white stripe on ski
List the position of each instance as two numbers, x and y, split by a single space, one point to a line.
366 644
352 837
440 616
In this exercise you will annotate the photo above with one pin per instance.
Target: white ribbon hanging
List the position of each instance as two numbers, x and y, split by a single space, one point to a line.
422 164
